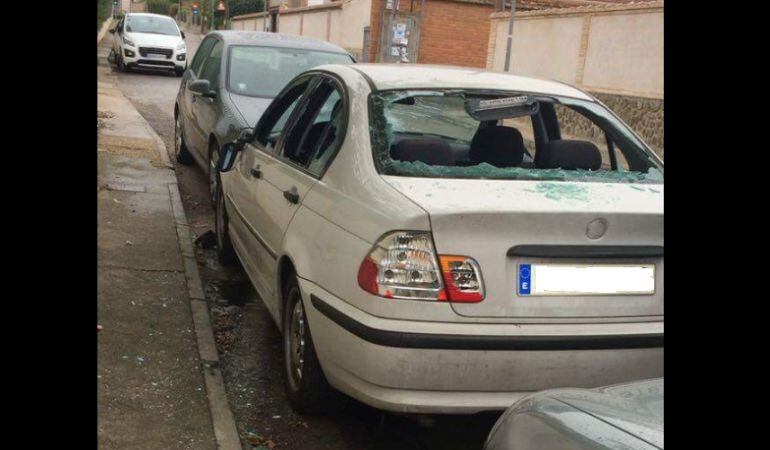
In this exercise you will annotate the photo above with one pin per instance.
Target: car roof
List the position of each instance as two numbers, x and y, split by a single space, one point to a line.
268 39
150 15
422 76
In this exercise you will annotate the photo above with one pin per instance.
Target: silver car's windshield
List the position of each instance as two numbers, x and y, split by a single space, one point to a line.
264 71
152 25
477 134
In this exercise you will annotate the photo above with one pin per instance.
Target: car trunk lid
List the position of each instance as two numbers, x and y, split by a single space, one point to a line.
508 224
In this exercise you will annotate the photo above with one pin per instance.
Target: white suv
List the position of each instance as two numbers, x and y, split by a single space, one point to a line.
150 41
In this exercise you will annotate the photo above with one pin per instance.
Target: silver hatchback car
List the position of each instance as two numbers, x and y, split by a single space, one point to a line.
626 416
447 240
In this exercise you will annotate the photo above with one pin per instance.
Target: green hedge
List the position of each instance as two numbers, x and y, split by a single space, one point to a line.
240 7
103 10
159 6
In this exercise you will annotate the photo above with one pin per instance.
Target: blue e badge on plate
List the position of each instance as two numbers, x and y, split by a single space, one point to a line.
525 279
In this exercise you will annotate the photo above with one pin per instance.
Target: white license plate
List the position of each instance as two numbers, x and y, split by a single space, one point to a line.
156 56
588 279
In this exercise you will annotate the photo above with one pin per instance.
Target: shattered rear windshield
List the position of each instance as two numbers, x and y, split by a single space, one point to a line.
504 135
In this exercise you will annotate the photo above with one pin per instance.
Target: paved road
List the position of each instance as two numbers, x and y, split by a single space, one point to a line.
250 344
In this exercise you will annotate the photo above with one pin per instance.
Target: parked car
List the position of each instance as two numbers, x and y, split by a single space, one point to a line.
625 416
447 240
232 78
151 41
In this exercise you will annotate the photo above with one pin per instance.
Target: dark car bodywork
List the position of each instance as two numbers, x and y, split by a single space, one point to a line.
211 121
626 416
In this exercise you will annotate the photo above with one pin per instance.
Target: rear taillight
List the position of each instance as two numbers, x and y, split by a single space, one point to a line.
462 277
403 264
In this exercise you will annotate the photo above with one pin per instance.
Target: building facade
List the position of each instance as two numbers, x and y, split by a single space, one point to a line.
424 31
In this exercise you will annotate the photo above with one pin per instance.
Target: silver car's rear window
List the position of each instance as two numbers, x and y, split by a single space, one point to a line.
258 71
474 134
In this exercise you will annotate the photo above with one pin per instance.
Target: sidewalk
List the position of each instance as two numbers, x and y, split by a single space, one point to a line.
157 369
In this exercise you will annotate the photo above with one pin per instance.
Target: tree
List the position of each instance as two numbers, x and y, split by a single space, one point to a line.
159 6
103 9
240 7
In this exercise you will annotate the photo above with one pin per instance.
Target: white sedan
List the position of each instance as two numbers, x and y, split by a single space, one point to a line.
447 240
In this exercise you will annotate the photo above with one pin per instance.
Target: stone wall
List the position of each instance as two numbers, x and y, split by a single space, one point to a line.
643 115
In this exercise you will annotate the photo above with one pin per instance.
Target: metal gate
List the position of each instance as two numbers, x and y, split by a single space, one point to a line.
401 40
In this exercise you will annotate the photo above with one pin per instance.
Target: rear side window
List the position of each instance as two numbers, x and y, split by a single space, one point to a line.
317 131
468 134
203 51
575 126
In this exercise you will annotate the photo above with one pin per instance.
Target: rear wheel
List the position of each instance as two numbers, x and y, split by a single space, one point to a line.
305 383
181 152
225 251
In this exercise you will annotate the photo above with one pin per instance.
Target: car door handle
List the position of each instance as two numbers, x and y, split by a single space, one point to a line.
256 172
291 195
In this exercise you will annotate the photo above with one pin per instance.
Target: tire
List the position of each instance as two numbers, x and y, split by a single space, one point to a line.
225 252
181 152
213 174
304 380
179 72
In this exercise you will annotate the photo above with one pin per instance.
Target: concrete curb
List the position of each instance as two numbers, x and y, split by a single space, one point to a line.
221 415
105 26
222 418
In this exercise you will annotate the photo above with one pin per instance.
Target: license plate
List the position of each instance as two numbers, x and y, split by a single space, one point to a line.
587 279
156 56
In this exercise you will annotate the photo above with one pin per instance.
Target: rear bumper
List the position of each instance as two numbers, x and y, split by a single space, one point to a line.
429 367
430 341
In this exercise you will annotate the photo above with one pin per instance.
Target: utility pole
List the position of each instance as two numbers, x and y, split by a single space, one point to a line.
201 16
510 36
264 18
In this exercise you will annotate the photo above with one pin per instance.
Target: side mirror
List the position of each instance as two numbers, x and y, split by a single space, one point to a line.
244 137
200 86
182 33
226 161
230 151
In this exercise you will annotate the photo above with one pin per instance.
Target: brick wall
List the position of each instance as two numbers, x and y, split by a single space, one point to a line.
452 32
455 33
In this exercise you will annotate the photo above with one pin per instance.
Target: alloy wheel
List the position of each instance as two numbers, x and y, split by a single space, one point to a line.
297 341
